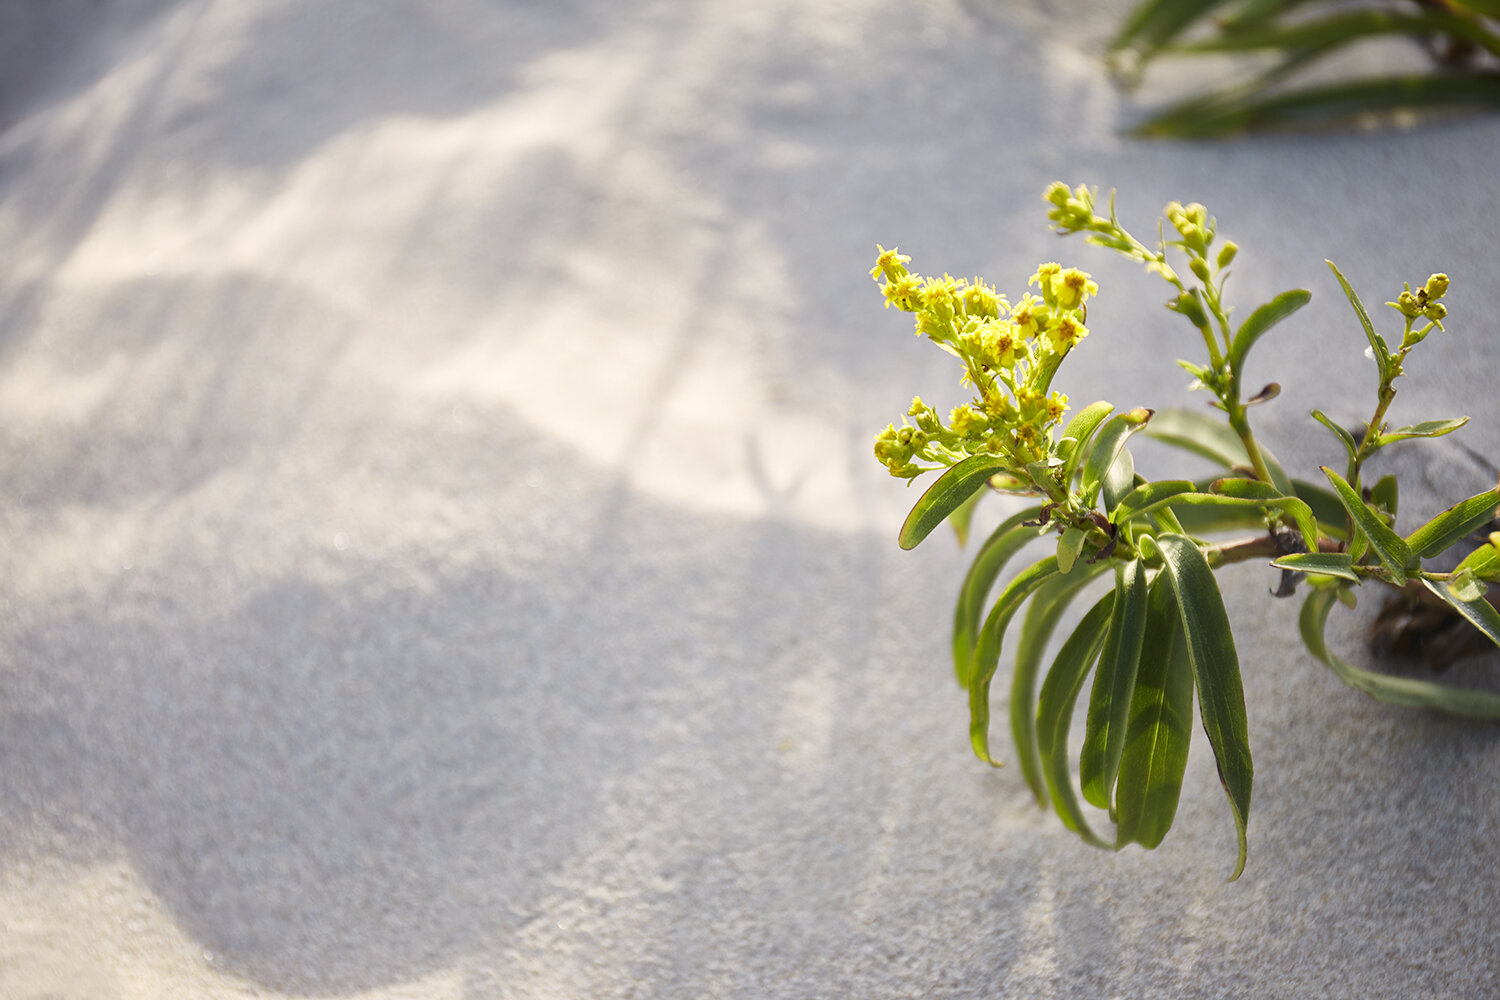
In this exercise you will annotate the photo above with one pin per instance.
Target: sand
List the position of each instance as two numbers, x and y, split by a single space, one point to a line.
443 556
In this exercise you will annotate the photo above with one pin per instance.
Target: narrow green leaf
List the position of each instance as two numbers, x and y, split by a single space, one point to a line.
945 495
1159 732
1004 542
1260 321
1342 28
1081 430
1154 22
1055 713
1484 562
1394 553
1479 612
1118 481
1404 691
1210 438
1345 438
1148 496
1426 429
1386 495
1377 342
1068 546
1243 108
1269 496
987 654
1042 615
1325 507
1456 522
1339 564
1216 668
1114 684
1106 448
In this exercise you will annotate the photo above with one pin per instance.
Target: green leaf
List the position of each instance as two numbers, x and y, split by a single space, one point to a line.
1159 732
1042 615
1345 438
1386 495
1055 713
1394 553
1081 430
1119 480
1260 321
963 517
1106 448
1068 546
1006 540
1341 29
1456 522
1114 684
1483 562
945 496
1155 22
1405 691
1325 507
1339 564
1377 342
1148 496
987 653
1479 612
1426 429
1267 495
1216 668
1243 108
1212 439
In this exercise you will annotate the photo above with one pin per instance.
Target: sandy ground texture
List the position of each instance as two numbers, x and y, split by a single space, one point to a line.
443 559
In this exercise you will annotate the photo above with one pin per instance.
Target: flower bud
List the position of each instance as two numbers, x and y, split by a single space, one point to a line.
1435 311
1199 267
1437 286
1227 252
1408 305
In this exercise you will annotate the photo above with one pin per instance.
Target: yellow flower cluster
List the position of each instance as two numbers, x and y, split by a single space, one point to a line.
1009 354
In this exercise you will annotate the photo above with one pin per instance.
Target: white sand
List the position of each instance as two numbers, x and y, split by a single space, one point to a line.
443 557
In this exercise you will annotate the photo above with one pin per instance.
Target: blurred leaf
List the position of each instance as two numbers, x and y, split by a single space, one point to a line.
1114 685
963 517
1260 321
1461 519
1212 439
1479 612
1342 28
1385 494
1216 668
1242 109
1006 540
1426 429
1394 553
945 496
1340 564
1055 712
1325 507
987 654
1042 616
1155 22
1405 691
1345 438
1159 733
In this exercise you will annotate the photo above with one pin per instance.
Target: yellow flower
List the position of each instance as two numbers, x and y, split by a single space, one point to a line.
1027 317
1065 333
981 300
904 293
1057 405
890 263
1072 287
